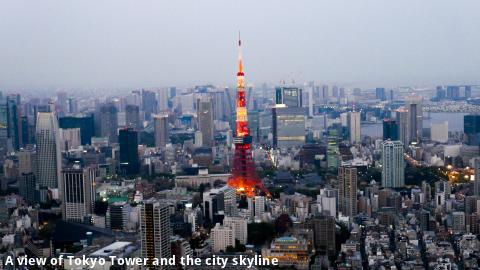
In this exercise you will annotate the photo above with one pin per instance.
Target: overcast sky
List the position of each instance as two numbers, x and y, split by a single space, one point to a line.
116 43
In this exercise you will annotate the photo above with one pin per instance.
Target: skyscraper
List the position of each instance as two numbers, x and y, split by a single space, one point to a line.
288 126
132 117
129 163
49 160
353 124
347 190
324 233
78 193
471 128
476 184
155 231
108 122
393 164
390 130
205 119
14 121
402 122
415 118
290 96
161 130
149 103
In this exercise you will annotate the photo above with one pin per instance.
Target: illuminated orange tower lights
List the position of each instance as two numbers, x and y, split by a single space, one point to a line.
244 178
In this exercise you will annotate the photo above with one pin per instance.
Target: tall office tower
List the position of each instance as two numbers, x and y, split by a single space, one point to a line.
78 193
393 164
27 134
310 101
129 163
4 140
249 98
353 122
27 168
149 103
69 138
402 122
288 126
254 121
380 94
132 117
222 237
471 128
219 105
205 120
289 96
108 122
347 190
390 130
72 105
476 183
415 118
439 132
27 161
86 125
323 233
161 130
322 94
239 226
27 187
62 105
155 231
49 159
14 120
243 178
162 99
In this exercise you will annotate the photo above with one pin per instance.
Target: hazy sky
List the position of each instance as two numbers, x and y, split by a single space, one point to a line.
116 43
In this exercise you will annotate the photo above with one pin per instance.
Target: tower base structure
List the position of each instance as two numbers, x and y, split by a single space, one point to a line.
244 178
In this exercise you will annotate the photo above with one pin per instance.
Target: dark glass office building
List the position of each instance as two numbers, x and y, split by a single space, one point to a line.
86 125
471 128
128 140
390 130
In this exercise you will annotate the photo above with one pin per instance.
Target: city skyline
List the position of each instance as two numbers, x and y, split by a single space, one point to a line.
73 45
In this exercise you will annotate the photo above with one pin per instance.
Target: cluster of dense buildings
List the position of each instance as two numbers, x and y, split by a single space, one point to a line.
145 175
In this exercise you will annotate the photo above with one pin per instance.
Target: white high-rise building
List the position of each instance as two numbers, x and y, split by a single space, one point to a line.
439 132
78 191
259 207
239 226
222 237
327 201
354 126
393 164
49 160
155 231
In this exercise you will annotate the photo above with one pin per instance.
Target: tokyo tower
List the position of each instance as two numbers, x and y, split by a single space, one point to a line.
244 178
